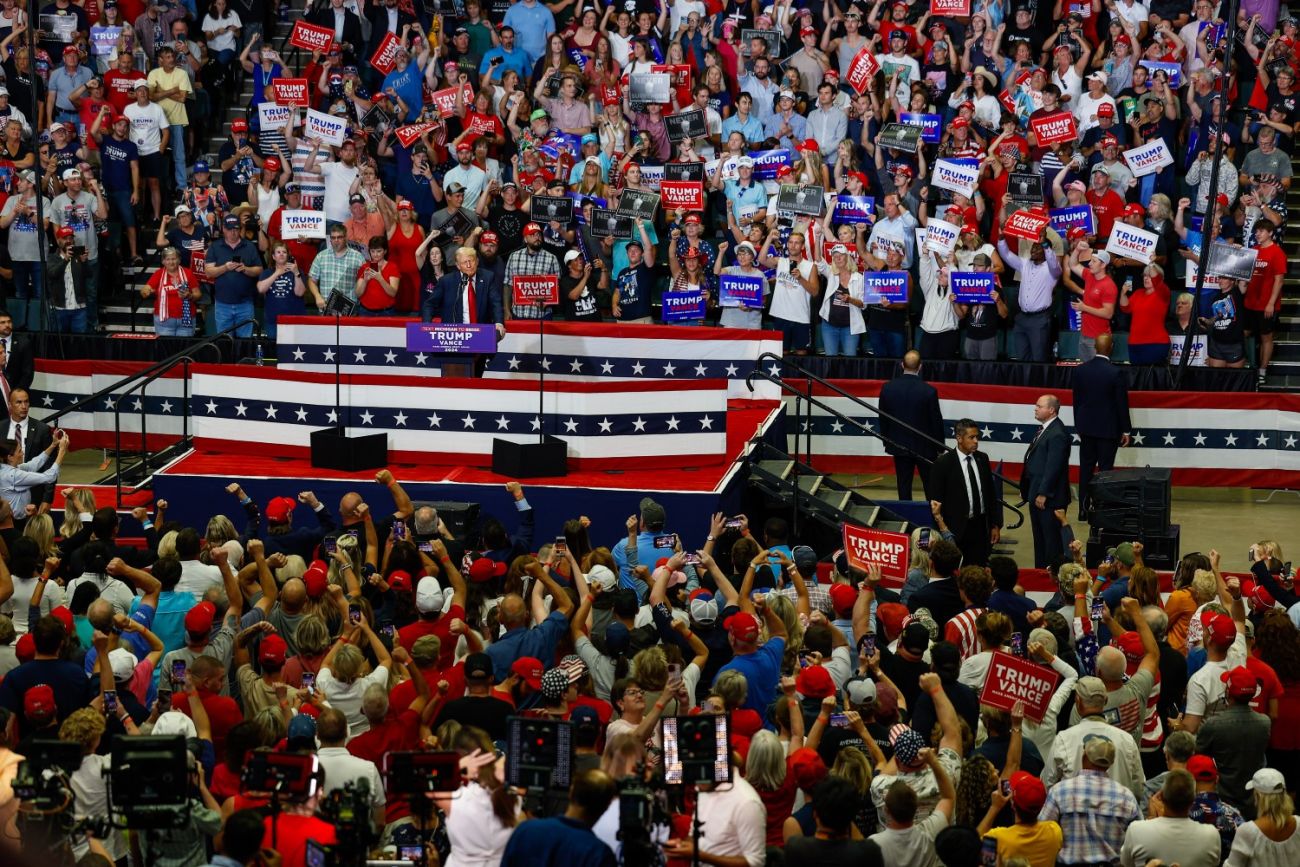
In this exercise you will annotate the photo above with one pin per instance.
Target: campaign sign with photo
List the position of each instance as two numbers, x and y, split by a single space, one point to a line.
608 224
972 287
1229 261
1012 679
451 337
1132 242
741 290
684 306
862 68
1026 225
687 195
880 286
678 73
900 136
649 87
1054 128
854 209
1025 188
684 172
766 163
1173 70
385 57
687 124
302 224
1148 158
801 199
864 546
104 39
536 289
638 205
272 116
311 37
377 119
59 25
1078 216
929 124
544 209
955 176
329 129
940 236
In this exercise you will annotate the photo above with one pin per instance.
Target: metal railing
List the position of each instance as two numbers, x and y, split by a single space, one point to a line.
139 382
805 401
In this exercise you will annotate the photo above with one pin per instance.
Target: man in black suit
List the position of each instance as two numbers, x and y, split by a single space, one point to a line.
19 360
1101 417
347 30
35 437
1045 479
963 491
465 295
910 425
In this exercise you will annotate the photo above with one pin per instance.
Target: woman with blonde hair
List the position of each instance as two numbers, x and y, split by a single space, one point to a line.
1271 840
221 533
40 529
312 637
343 676
854 766
167 544
481 816
78 506
592 182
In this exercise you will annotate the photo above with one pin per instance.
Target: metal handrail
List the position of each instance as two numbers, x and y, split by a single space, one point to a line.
140 386
807 395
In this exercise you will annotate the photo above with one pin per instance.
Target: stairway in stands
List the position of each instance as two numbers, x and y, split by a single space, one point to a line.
127 312
1284 371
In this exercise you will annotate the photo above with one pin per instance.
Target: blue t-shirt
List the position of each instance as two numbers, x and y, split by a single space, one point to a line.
234 287
116 158
762 671
407 84
634 285
532 25
280 299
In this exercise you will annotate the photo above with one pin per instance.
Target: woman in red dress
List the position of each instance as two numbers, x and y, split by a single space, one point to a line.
403 238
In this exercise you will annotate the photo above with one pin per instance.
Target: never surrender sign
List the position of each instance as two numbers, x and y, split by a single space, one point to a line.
1011 679
302 224
864 546
290 91
972 287
687 195
1148 158
1054 128
310 36
1132 242
536 289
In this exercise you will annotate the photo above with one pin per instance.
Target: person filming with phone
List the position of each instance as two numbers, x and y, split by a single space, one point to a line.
19 477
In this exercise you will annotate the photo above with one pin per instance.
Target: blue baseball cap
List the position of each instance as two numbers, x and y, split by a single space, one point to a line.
584 716
201 166
230 221
590 138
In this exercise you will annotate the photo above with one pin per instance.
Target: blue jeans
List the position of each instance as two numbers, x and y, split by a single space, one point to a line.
71 321
228 315
839 339
178 155
173 327
887 344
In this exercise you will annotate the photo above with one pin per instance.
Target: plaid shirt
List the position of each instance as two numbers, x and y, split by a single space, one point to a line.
1093 811
525 262
332 271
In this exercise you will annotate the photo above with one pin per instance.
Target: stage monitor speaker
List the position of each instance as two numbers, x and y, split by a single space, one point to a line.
1159 550
1130 500
530 460
334 450
460 518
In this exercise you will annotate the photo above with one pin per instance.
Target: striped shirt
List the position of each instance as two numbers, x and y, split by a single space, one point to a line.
1094 812
961 631
526 262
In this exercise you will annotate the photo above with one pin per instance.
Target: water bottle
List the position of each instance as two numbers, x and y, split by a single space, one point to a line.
1128 286
261 360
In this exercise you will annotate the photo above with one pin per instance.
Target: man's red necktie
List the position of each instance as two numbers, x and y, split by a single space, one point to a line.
473 306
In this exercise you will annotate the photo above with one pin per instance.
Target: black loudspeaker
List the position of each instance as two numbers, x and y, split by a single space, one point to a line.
333 450
1160 550
459 517
1130 501
530 460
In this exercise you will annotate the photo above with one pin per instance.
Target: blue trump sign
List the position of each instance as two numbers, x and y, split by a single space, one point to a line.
450 337
1076 217
971 287
929 124
741 290
854 209
767 162
878 286
683 306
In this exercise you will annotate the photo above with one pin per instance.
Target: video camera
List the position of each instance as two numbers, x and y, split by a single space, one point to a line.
43 779
295 775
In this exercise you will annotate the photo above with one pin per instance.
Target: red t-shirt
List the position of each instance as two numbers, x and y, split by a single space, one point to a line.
441 627
373 296
223 715
1270 685
119 88
167 291
1270 264
1095 294
401 696
1148 316
291 835
401 731
1106 208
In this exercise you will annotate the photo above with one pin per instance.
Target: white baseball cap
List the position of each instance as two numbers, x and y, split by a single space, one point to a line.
428 595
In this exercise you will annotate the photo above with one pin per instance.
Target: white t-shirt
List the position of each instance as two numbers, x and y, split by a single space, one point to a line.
24 589
347 696
338 180
226 41
914 846
110 589
147 124
198 578
342 767
1205 690
790 301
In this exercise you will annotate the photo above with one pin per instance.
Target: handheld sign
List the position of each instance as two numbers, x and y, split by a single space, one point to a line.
880 286
638 205
536 289
1227 260
302 224
771 37
385 56
862 69
684 306
271 116
409 135
1011 679
687 195
548 208
607 224
445 99
1173 70
1025 188
684 172
1065 219
741 290
290 91
1054 128
864 546
766 163
687 124
1132 242
929 124
854 209
954 8
1148 158
955 176
331 130
311 37
646 87
104 39
940 236
900 136
451 337
972 287
800 199
1026 225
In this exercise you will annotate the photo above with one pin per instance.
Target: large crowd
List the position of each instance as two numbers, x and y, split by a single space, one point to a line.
860 730
452 124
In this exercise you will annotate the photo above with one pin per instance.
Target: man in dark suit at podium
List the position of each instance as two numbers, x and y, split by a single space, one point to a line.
963 490
465 295
1101 417
1045 479
914 402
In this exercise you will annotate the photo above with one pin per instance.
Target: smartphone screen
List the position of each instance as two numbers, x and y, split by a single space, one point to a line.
735 523
989 852
330 544
668 540
1098 607
399 530
410 853
561 545
869 644
308 680
388 630
839 721
1006 788
178 671
426 547
1018 643
110 701
354 613
693 559
674 671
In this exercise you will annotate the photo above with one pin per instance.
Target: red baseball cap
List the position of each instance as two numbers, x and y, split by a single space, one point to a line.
199 618
272 651
904 170
280 508
960 123
1203 768
1133 209
1219 628
843 598
814 682
25 647
1223 200
39 705
743 626
400 579
808 768
239 125
693 219
784 172
316 578
406 205
488 238
64 232
530 669
485 569
1028 794
1240 682
1076 233
65 617
271 164
891 614
532 229
1131 645
1105 110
